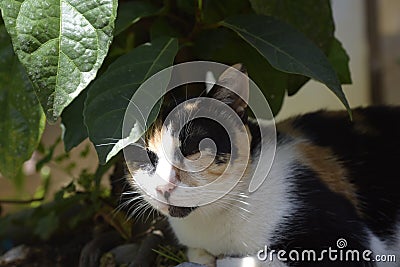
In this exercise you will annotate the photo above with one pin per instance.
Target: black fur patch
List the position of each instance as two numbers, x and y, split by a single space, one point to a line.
200 129
153 158
369 148
180 212
255 136
321 218
230 98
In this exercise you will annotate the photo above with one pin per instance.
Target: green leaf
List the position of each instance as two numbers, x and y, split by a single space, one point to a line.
229 48
62 44
22 119
108 97
131 12
295 82
311 17
340 61
74 129
314 19
162 27
286 49
215 11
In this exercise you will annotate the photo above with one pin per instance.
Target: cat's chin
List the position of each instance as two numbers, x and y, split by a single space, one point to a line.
179 212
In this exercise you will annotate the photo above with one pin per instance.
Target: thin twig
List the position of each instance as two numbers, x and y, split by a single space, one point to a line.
20 201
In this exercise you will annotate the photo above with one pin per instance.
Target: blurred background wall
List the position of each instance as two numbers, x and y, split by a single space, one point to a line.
388 61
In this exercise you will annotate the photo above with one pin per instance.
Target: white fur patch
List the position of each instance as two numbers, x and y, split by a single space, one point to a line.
383 249
165 155
241 223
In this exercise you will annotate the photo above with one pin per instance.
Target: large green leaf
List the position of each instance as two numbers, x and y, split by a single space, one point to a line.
311 17
61 43
108 97
21 117
286 49
314 19
340 61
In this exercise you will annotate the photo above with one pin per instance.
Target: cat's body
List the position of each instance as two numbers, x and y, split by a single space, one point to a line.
331 180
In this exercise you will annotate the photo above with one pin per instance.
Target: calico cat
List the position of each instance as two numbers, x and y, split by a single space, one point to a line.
333 186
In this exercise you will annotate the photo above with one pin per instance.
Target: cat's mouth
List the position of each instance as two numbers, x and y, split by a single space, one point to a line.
179 212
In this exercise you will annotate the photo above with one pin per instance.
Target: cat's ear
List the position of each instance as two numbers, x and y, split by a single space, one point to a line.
236 79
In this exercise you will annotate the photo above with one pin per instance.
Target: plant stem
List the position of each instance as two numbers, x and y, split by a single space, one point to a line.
20 201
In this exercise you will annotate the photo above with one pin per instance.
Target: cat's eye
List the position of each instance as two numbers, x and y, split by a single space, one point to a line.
153 157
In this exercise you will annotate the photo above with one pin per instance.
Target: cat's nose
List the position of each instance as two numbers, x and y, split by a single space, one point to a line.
166 189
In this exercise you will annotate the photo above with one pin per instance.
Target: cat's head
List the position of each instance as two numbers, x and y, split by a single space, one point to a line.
197 151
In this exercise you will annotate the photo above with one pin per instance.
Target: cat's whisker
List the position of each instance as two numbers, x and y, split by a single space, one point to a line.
138 145
133 200
236 206
139 201
119 139
238 201
155 213
121 206
231 208
112 143
149 213
224 194
129 201
232 198
144 211
136 210
106 144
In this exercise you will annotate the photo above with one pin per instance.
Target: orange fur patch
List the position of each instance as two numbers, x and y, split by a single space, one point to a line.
286 127
329 169
210 174
154 137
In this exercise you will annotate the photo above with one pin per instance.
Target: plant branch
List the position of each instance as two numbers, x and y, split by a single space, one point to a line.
20 201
